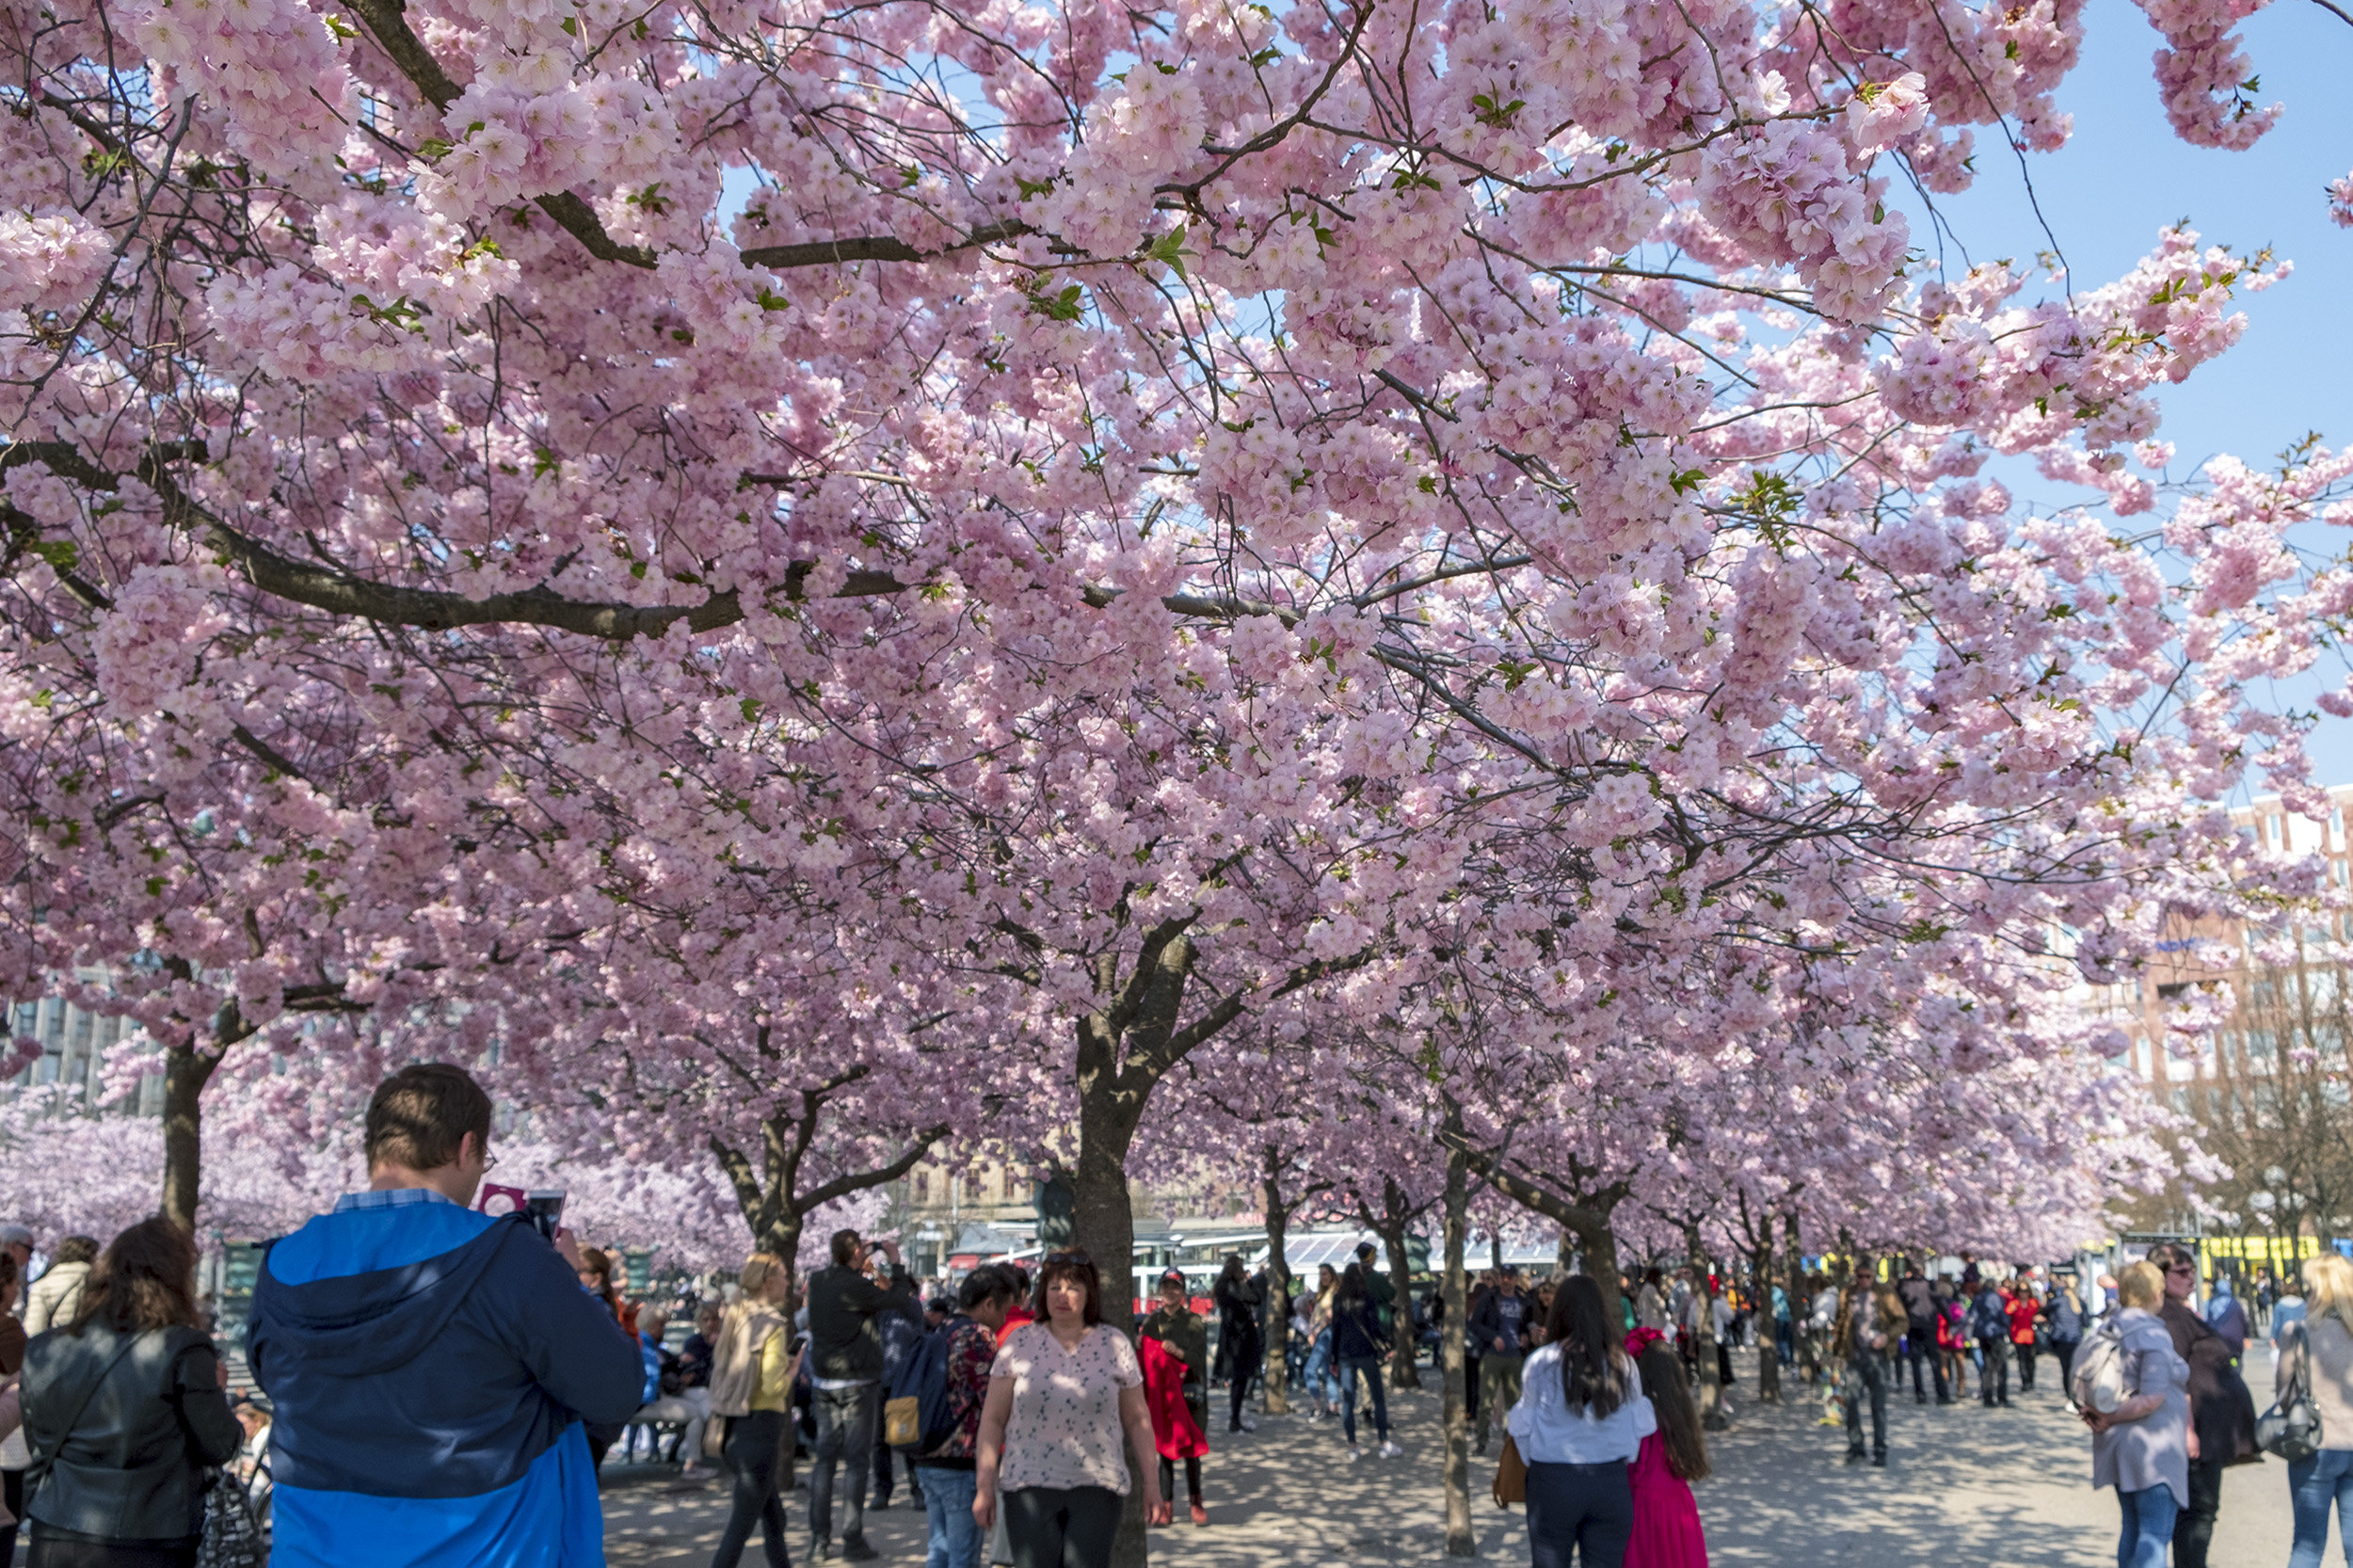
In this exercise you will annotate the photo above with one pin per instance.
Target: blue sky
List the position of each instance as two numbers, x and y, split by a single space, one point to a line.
2124 175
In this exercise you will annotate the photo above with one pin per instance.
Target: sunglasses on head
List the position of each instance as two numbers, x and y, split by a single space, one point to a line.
1076 1254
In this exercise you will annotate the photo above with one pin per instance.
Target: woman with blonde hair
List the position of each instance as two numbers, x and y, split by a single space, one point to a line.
2319 1351
2141 1447
752 1369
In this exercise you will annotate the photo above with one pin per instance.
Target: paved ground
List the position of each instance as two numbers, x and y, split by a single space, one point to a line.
1965 1486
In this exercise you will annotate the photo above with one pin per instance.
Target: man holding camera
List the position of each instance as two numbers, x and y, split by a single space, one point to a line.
845 1371
430 1366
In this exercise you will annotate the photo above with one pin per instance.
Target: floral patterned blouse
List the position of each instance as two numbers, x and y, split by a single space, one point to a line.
971 1351
1064 1428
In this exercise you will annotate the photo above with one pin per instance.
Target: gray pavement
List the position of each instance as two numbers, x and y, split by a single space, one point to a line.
1965 1486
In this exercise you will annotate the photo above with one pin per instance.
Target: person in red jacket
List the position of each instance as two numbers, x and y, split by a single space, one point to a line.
2024 1310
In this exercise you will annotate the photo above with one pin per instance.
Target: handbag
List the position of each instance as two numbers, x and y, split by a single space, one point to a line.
2290 1430
715 1436
232 1536
1511 1474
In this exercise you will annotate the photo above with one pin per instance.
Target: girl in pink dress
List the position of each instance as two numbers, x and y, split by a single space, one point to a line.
1667 1529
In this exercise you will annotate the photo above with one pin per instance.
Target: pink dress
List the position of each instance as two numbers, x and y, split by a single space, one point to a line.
1667 1529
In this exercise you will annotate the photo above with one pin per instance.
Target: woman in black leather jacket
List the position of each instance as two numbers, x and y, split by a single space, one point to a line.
123 1406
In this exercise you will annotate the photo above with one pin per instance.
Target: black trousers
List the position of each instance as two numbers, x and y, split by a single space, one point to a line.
1870 1383
1246 1363
1993 1377
1920 1345
2193 1528
2065 1350
1579 1513
1060 1526
1192 1478
2026 1368
12 1493
751 1451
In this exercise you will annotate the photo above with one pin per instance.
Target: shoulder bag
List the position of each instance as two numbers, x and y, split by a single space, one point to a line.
1511 1474
2290 1430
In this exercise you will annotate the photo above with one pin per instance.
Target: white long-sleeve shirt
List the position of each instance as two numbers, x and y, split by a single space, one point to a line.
1549 1432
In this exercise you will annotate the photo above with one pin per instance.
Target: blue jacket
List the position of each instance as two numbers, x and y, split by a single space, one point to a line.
649 1358
430 1368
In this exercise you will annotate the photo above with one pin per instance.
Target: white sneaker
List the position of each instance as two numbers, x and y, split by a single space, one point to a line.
1390 1450
1355 1452
1248 1424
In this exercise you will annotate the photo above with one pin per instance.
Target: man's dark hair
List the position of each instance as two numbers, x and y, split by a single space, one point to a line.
981 1287
845 1249
1363 1249
77 1249
418 1116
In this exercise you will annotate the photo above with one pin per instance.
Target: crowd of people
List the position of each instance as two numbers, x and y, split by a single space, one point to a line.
433 1384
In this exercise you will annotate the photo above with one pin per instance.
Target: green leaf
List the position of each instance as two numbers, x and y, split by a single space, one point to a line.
1032 188
751 710
770 300
434 149
60 553
342 29
570 24
1170 249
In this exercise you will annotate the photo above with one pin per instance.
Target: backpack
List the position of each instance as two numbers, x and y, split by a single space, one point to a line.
916 1417
2098 1381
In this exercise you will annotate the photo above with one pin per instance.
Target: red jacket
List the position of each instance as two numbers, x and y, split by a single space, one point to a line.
1174 1432
2023 1310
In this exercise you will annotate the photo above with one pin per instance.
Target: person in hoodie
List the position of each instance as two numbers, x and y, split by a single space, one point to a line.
430 1367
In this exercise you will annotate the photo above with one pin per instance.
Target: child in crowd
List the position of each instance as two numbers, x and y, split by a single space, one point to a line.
1667 1531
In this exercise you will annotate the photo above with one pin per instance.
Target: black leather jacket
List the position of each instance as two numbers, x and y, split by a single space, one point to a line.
132 1468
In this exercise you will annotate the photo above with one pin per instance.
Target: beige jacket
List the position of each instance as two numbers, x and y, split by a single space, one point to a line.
56 1297
2326 1347
735 1360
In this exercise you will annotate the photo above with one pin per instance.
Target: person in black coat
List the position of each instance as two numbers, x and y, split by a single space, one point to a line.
124 1408
1239 1343
2221 1408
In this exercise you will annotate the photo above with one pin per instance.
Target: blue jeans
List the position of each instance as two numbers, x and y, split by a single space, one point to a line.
2313 1485
2148 1526
955 1541
1318 1379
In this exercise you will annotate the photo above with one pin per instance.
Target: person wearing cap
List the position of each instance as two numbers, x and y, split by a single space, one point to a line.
1185 1335
1501 1326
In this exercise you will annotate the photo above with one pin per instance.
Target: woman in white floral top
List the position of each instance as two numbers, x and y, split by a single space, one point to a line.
1063 1390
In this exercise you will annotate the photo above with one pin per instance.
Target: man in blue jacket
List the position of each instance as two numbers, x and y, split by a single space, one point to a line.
431 1366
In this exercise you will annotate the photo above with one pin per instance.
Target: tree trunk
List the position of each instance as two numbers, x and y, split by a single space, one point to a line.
1460 1540
1403 1372
1801 1299
185 1073
1103 1225
1768 1354
1703 1337
1278 1277
1601 1265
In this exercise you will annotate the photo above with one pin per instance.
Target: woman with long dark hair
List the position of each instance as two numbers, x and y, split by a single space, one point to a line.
1580 1421
1667 1531
1357 1344
1239 1343
123 1407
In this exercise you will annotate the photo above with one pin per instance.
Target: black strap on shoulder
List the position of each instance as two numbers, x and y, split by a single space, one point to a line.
38 1469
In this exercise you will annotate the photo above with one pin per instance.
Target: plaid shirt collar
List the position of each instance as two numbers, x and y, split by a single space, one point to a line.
396 1197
